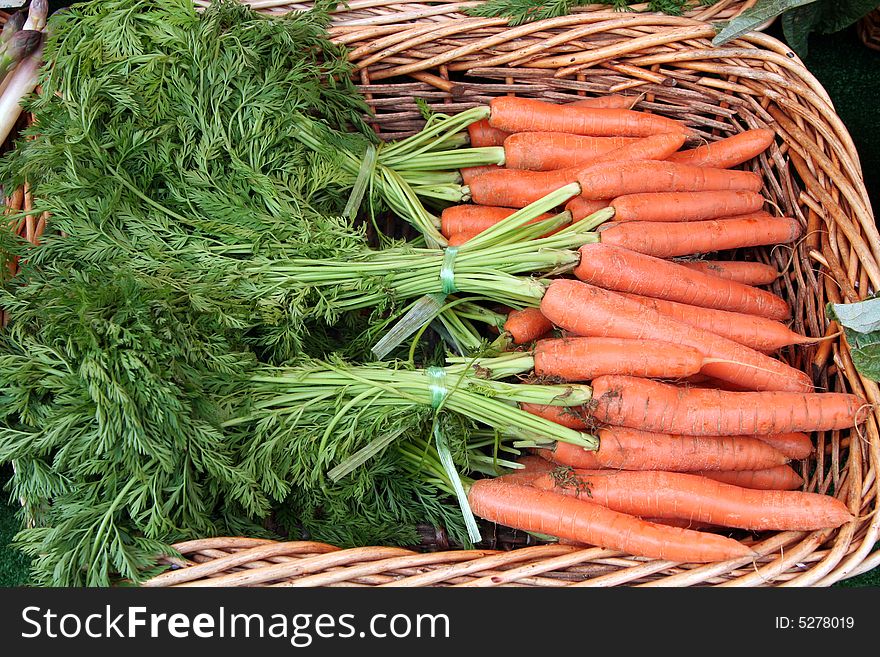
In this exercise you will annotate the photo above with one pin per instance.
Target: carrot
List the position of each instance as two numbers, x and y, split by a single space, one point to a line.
587 310
482 134
546 151
681 522
669 522
622 270
702 381
610 101
692 497
531 150
457 239
631 449
613 179
529 115
580 208
534 463
616 268
582 359
475 219
526 325
535 466
795 445
548 512
469 173
728 152
781 477
654 147
514 188
573 417
758 333
741 271
668 239
653 406
685 206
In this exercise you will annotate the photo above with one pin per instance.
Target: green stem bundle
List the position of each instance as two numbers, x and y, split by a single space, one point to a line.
425 164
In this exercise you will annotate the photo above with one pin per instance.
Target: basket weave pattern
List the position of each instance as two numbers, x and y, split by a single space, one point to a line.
812 172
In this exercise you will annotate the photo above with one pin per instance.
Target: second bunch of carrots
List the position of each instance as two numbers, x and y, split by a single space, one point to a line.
697 421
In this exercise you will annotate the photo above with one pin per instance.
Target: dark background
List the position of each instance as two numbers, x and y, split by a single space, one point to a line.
848 70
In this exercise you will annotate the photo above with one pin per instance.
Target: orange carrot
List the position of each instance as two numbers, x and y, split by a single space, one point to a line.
514 188
531 148
528 115
526 325
669 522
535 466
685 206
631 449
573 417
475 219
654 147
613 179
653 406
702 381
534 463
741 271
546 151
728 152
758 333
469 173
681 522
580 208
610 101
692 497
781 477
555 514
583 359
457 239
668 239
587 310
482 134
622 270
795 445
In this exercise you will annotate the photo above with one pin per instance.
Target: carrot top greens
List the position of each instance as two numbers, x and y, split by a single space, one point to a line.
162 142
524 11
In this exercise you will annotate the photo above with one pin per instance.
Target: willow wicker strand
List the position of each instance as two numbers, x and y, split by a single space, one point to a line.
438 54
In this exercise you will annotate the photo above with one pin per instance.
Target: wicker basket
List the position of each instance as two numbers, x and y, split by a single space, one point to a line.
812 172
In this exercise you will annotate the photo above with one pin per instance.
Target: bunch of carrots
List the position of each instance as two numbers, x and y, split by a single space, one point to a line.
696 421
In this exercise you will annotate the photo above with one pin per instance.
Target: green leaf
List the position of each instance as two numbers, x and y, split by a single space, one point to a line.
752 18
861 325
797 25
863 316
839 14
800 18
